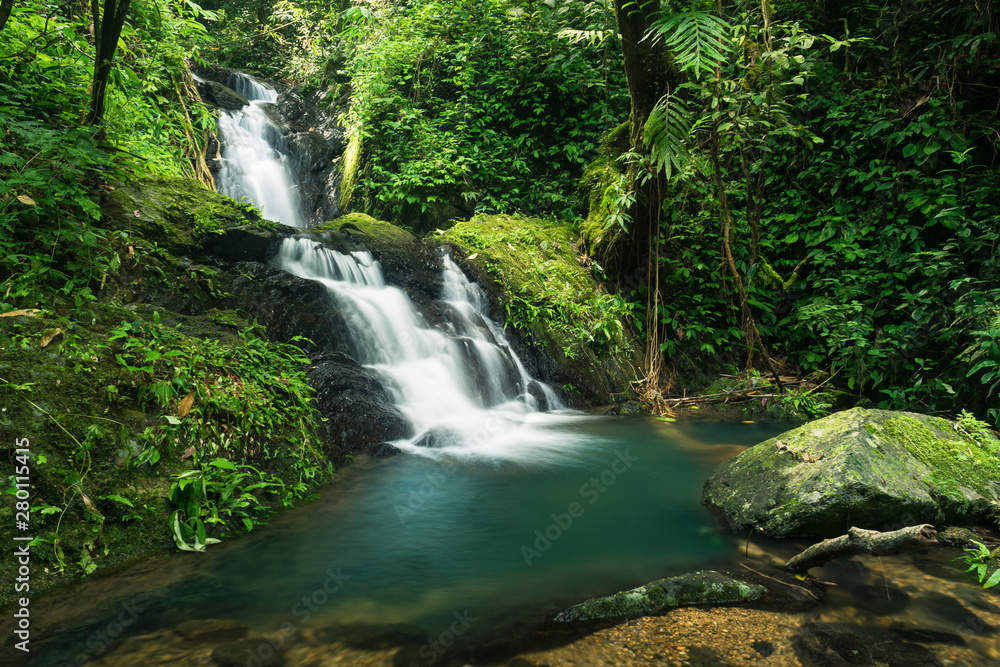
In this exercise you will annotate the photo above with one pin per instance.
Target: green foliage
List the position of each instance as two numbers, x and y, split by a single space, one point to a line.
240 401
53 170
865 220
983 563
479 106
697 40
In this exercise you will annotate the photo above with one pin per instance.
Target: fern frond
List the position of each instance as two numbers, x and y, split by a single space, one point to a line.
592 37
697 40
666 134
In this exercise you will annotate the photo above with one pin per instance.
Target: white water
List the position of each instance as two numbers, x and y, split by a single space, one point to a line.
463 389
255 161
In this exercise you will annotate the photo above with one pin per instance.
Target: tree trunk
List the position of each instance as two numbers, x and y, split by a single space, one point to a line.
107 31
650 77
5 8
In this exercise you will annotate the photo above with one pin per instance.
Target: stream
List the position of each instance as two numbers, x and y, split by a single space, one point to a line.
503 507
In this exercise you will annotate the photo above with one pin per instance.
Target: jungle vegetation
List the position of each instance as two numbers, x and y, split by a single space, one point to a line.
785 187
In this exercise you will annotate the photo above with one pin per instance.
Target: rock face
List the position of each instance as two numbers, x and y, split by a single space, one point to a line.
873 469
359 414
223 96
706 587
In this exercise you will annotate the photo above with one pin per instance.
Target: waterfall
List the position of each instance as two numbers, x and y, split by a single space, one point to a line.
255 158
462 387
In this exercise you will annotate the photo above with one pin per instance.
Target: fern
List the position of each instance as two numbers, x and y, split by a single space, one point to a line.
697 40
592 37
666 133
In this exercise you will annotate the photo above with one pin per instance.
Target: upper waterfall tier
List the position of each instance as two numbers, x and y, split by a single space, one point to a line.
255 160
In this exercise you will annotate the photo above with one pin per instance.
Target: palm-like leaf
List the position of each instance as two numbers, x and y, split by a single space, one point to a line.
666 133
698 40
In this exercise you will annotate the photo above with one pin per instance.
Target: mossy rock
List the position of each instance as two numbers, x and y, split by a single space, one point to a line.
178 214
877 469
698 588
372 229
550 298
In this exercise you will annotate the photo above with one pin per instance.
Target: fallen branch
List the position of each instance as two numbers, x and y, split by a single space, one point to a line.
861 541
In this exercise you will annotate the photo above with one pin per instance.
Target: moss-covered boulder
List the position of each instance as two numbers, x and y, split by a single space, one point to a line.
705 587
577 333
873 469
178 214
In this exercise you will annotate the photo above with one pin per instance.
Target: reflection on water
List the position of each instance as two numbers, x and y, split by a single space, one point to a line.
414 539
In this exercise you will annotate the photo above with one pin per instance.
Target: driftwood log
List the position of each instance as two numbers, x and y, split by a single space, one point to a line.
861 541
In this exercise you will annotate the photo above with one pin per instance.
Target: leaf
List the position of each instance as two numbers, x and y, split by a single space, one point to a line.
118 499
473 255
223 463
697 40
172 420
47 338
185 405
188 453
25 199
993 580
666 133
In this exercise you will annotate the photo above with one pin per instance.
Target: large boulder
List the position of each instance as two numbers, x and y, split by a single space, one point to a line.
873 469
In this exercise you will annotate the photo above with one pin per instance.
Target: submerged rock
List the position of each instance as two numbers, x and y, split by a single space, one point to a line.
210 630
254 652
706 587
842 644
872 469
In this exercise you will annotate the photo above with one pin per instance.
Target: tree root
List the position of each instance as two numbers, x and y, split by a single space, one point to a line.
860 541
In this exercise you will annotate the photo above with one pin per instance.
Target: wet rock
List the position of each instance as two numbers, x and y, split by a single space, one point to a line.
836 644
360 416
956 536
223 96
875 470
706 587
241 244
372 637
253 652
311 151
212 630
289 306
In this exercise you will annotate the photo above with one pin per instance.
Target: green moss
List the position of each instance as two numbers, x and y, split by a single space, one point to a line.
594 194
956 459
551 297
705 587
177 214
378 230
351 163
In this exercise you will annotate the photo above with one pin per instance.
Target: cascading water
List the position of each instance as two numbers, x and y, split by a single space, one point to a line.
255 160
463 389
